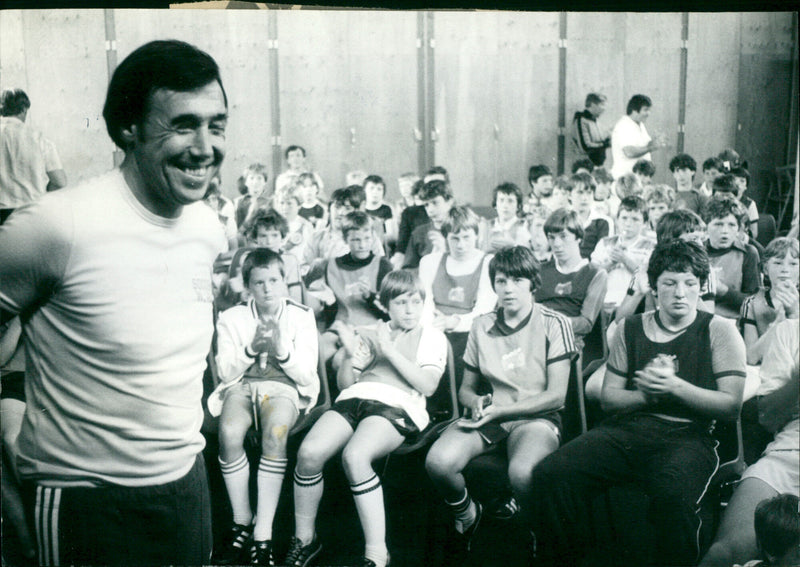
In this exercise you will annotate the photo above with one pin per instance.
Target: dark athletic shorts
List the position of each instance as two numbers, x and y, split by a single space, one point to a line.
356 409
13 386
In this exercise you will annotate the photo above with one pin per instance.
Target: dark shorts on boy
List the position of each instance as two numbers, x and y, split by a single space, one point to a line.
13 386
118 525
356 409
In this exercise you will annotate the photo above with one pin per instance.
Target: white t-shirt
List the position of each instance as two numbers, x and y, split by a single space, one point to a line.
117 311
25 158
627 132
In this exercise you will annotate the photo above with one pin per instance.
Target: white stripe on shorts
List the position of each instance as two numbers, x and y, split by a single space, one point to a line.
48 501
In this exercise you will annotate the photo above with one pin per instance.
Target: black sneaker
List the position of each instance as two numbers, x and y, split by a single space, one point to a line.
261 553
301 555
469 534
505 510
364 562
234 550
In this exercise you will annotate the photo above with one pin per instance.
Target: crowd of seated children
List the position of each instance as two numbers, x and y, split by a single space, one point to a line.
671 373
353 278
253 192
627 251
508 228
267 362
595 226
522 350
329 243
624 186
687 196
776 472
437 198
712 168
540 178
456 280
644 170
386 372
735 263
312 209
570 285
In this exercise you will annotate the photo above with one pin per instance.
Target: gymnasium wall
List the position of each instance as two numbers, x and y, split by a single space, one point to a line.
484 94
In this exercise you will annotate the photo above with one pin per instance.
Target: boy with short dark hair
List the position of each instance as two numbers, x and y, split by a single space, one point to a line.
712 168
671 373
375 191
437 197
268 229
570 284
736 265
508 228
595 225
742 179
523 351
540 179
387 370
687 196
644 170
267 362
312 208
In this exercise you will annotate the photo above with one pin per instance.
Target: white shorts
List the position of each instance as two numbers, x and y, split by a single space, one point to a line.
779 465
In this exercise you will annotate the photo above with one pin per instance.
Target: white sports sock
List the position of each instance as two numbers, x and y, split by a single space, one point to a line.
307 494
368 496
465 512
269 481
237 481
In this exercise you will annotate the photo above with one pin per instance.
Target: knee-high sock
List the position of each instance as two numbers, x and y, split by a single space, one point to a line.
465 512
368 496
269 481
237 481
307 494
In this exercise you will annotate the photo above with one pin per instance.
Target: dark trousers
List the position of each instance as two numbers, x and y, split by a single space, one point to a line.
672 462
116 525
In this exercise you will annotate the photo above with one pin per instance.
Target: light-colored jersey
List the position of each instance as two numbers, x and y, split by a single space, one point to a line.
117 311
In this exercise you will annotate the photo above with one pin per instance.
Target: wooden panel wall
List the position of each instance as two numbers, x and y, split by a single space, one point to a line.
712 84
63 71
496 97
765 76
347 84
348 91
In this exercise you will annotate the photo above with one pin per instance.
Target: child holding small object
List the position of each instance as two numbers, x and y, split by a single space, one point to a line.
386 372
267 361
523 351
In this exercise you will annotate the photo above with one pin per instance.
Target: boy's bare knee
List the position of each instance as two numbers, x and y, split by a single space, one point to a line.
309 459
439 463
353 459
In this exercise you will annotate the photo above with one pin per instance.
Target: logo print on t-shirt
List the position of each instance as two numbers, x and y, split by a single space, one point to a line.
456 294
514 360
564 288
